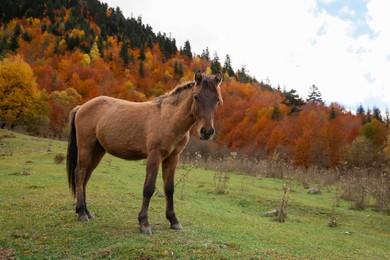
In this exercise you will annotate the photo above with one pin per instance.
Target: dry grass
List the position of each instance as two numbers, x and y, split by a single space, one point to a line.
363 187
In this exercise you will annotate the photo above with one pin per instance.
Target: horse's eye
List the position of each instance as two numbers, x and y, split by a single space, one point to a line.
217 100
196 97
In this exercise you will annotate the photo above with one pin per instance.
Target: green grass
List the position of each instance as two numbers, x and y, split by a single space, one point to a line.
37 218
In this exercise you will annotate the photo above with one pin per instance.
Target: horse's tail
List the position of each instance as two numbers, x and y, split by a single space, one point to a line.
71 158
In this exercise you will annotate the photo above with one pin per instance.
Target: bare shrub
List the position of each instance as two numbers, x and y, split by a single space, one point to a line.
333 222
355 190
363 178
187 169
282 212
221 180
381 192
59 158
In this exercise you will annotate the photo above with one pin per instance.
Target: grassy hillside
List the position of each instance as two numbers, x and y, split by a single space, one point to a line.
37 218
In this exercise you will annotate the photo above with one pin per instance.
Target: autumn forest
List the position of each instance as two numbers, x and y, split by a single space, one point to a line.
56 54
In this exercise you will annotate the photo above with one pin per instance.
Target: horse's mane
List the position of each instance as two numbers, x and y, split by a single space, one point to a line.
175 95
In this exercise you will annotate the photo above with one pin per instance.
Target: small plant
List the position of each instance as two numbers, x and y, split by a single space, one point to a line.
183 178
187 168
221 180
59 158
356 191
282 213
333 222
49 146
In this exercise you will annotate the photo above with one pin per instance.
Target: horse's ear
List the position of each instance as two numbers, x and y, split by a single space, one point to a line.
219 77
198 77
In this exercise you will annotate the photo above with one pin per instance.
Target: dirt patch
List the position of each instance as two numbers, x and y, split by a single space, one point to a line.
7 254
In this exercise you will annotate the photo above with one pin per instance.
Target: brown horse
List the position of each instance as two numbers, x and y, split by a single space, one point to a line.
157 130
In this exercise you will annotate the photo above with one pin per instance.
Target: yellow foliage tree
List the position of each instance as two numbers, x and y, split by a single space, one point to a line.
18 90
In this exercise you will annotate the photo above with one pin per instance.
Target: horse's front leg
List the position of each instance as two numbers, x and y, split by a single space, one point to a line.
168 168
152 166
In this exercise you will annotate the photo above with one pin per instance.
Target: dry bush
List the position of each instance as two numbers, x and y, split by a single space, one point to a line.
367 184
282 212
360 186
221 181
380 191
355 189
59 158
333 222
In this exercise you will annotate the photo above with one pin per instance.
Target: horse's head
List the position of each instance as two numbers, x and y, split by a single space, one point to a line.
206 97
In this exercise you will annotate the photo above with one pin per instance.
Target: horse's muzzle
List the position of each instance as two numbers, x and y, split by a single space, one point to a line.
206 134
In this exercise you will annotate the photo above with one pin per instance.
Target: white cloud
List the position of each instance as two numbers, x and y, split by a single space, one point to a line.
345 10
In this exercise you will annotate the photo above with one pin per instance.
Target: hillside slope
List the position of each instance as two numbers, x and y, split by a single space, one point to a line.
37 217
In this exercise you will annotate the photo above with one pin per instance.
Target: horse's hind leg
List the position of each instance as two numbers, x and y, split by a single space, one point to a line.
87 162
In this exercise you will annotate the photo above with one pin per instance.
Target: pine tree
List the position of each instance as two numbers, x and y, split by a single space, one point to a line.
377 114
14 44
276 114
141 70
3 45
124 54
186 50
360 110
332 113
205 54
368 116
142 55
215 64
315 96
227 67
178 68
387 119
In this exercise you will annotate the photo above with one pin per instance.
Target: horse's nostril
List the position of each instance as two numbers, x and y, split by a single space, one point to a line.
206 134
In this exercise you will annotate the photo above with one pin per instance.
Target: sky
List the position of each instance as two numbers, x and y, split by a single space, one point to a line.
341 46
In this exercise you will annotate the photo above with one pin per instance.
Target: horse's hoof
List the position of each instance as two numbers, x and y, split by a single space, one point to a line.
146 230
83 218
90 216
177 226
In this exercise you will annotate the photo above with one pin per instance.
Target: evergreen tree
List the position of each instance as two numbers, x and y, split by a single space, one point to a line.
14 44
50 11
124 53
242 75
186 50
215 64
205 54
314 96
100 46
292 99
377 114
360 111
227 67
142 55
178 69
3 45
368 116
387 117
276 114
141 70
332 113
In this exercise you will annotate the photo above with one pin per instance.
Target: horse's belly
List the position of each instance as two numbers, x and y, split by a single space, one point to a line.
128 155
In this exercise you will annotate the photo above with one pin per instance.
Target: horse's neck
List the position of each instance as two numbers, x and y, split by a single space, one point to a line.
182 114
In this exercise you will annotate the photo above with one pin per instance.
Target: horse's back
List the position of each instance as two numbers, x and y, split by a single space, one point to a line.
119 126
